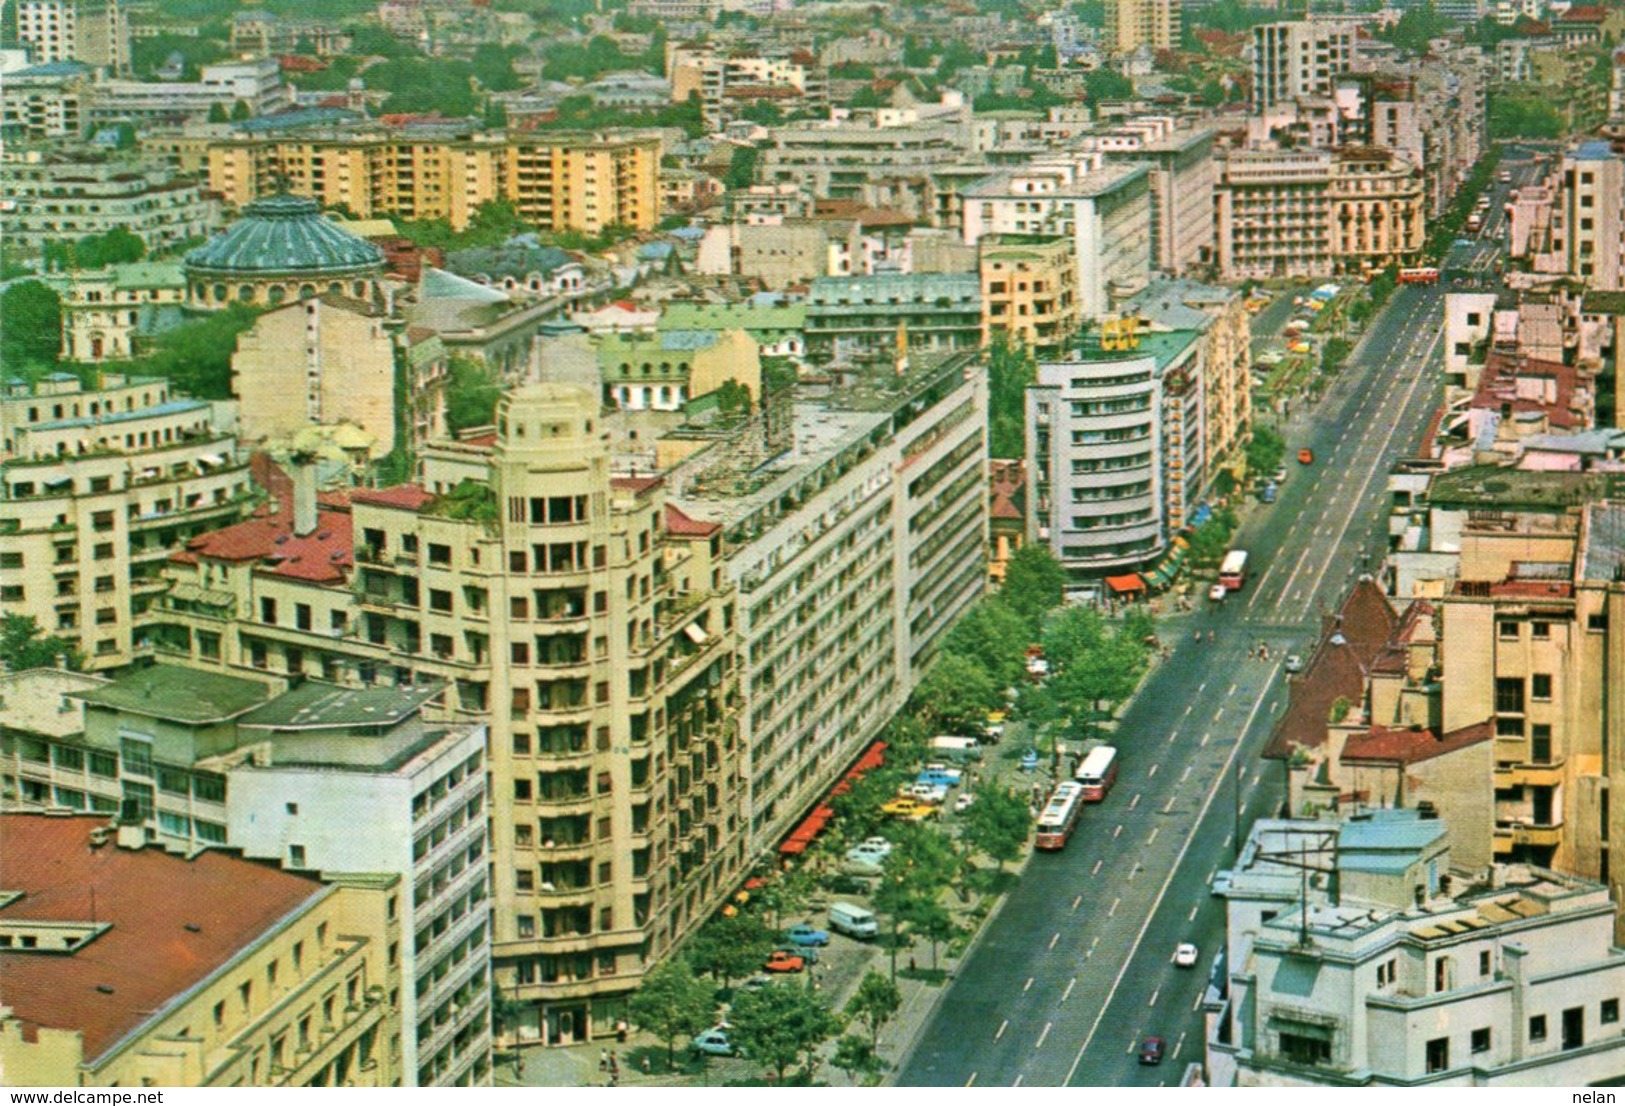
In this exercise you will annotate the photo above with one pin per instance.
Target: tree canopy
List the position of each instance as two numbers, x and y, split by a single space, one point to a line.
30 325
671 1003
777 1026
24 645
1034 583
1011 368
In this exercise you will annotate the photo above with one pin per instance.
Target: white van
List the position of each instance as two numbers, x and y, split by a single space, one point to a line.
958 749
854 921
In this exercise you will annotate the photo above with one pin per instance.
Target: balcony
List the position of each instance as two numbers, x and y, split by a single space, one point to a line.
1529 775
1511 834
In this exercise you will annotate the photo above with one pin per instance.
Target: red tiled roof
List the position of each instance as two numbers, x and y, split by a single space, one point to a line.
680 525
410 497
1584 13
172 923
1382 743
1004 508
1350 644
637 484
325 555
483 441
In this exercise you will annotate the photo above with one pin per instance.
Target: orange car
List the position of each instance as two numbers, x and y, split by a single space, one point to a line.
1306 456
781 961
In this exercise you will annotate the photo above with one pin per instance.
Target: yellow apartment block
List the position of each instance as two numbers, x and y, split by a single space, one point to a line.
561 182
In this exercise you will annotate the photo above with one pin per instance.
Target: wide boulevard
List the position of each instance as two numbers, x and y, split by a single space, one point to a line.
1077 967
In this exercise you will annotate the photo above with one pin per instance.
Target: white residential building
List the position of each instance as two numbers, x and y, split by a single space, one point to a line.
1104 209
318 754
1355 956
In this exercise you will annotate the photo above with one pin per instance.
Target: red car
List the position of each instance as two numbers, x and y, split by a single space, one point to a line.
1151 1050
781 961
1306 456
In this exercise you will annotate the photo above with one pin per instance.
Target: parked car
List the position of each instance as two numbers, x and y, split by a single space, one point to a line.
757 982
780 961
935 778
912 809
1217 593
806 935
807 952
1151 1050
1029 760
948 772
964 803
1294 663
1269 493
926 792
714 1042
1279 476
1186 955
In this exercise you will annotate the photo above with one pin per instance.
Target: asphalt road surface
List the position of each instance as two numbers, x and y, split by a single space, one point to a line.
1077 968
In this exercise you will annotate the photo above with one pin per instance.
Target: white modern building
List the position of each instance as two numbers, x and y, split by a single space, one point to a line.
1356 956
1104 209
311 760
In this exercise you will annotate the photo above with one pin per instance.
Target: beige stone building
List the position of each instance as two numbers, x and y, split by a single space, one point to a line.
127 966
586 620
1029 289
327 360
1312 213
106 311
581 182
100 485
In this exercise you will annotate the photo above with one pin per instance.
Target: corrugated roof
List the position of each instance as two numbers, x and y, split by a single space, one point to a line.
282 233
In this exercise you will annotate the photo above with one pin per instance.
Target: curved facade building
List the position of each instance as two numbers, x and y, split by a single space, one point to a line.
1115 445
282 249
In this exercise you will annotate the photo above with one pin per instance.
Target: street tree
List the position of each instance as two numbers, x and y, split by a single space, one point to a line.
1266 450
856 1057
1071 635
777 1026
1011 369
955 690
1034 583
672 1002
993 635
997 823
933 921
874 1003
731 946
24 645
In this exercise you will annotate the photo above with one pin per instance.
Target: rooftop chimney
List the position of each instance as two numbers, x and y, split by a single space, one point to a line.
304 496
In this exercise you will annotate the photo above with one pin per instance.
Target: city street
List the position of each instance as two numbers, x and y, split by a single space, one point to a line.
1078 968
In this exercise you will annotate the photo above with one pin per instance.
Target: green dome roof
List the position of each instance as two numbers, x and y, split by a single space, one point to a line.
284 234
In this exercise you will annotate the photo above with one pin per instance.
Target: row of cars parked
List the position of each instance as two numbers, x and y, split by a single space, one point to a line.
928 795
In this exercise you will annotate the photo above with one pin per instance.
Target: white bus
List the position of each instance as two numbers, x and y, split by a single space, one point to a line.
1233 570
1097 773
1060 815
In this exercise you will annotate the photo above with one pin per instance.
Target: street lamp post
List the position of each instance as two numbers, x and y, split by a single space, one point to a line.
1241 773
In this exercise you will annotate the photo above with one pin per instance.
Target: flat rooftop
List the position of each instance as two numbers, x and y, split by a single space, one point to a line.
180 694
319 706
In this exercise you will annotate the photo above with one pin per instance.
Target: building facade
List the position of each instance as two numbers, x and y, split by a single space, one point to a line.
97 487
66 197
277 980
582 182
1029 289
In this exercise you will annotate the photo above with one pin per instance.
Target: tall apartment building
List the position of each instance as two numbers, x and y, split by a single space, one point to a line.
1181 178
1316 212
556 182
1300 60
97 487
1527 639
1029 289
1591 221
1115 453
332 359
837 160
1356 956
127 966
728 79
69 196
1131 24
1104 210
851 555
96 32
585 621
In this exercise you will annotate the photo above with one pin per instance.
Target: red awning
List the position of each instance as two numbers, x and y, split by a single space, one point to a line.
1122 585
812 825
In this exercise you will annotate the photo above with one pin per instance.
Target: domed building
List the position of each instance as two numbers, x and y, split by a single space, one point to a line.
280 250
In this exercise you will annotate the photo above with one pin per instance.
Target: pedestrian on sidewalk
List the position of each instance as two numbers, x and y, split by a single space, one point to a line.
603 1060
645 1063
